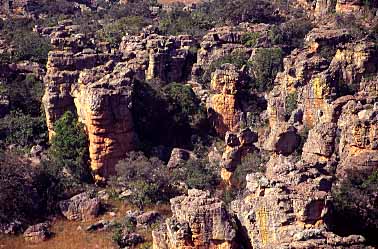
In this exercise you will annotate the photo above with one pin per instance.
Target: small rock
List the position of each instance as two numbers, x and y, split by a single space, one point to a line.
101 225
130 239
37 233
147 218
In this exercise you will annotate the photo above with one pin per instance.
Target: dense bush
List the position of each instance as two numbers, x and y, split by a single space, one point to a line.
25 94
265 65
147 178
69 147
113 31
27 193
22 130
356 205
251 163
197 174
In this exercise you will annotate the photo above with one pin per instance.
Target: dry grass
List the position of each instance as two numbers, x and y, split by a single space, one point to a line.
72 234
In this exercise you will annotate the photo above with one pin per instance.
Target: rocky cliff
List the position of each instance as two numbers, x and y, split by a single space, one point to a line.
97 86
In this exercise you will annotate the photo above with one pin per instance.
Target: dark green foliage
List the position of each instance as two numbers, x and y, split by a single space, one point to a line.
182 22
28 193
69 147
265 65
237 58
356 205
147 178
22 129
290 34
18 196
197 174
25 94
250 39
184 106
251 163
290 104
26 44
115 30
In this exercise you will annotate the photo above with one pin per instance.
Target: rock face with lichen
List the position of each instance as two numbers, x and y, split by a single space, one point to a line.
198 221
289 207
98 87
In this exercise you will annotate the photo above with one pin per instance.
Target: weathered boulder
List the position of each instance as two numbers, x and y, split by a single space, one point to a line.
283 139
237 146
180 156
83 206
198 221
320 144
37 233
130 239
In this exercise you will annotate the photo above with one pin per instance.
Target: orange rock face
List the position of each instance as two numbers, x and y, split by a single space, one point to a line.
224 111
97 87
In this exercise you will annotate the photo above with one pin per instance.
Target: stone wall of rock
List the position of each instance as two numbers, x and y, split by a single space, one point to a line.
97 86
198 221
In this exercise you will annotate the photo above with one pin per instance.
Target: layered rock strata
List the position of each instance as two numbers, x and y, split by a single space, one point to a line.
97 86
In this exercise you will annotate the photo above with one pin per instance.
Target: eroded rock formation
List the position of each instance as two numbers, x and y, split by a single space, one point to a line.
224 107
198 221
97 86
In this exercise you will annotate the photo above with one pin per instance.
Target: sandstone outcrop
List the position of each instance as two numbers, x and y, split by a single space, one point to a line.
288 207
224 107
180 156
237 146
198 221
151 56
98 87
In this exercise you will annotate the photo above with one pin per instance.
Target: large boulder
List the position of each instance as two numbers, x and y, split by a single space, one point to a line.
83 206
198 221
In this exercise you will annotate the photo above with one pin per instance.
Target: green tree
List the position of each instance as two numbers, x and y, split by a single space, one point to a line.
69 146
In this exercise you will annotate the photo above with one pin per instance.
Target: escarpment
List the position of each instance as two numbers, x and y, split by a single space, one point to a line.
97 84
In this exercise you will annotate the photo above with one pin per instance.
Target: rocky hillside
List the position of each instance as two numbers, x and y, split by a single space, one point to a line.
256 120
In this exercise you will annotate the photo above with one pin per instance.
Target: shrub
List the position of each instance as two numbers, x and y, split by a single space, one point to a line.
250 39
237 58
290 104
251 163
25 94
69 147
22 129
147 178
115 30
184 106
265 65
197 174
